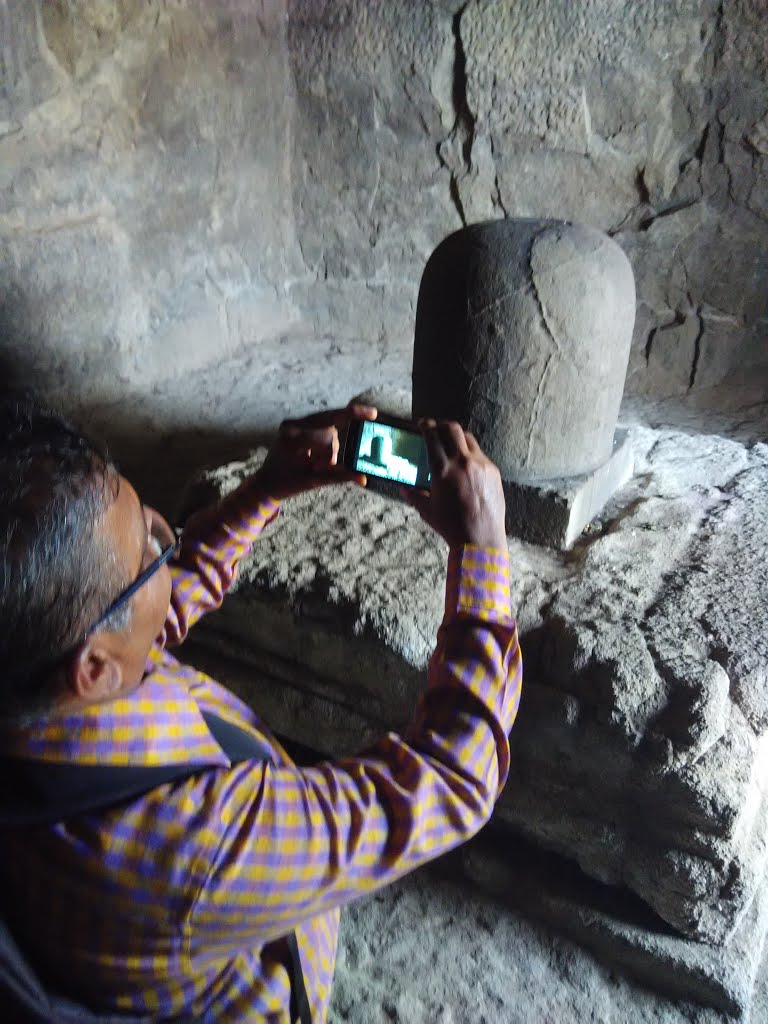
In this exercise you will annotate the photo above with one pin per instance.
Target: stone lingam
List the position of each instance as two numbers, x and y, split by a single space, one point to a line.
523 330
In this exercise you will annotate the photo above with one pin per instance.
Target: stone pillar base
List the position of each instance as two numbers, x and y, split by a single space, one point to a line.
554 512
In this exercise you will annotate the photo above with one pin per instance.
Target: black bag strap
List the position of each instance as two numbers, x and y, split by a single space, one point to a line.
38 793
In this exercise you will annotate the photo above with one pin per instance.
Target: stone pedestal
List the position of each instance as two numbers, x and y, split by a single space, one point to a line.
523 330
554 512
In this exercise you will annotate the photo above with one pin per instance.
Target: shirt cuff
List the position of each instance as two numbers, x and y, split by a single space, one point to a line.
231 525
244 518
478 584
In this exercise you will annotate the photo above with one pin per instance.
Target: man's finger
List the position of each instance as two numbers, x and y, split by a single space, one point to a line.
337 475
324 446
362 412
333 417
417 499
472 444
438 459
452 437
323 441
298 429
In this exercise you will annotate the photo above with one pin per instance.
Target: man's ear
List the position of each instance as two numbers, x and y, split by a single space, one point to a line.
96 674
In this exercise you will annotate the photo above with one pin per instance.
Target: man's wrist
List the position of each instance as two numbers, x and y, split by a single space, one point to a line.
478 583
489 540
240 515
257 489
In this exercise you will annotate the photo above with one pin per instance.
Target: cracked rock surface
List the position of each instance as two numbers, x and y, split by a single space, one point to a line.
218 214
640 749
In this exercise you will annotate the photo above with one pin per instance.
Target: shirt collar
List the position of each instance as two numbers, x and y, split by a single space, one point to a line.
158 724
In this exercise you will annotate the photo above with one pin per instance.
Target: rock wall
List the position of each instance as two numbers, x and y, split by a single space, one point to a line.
212 214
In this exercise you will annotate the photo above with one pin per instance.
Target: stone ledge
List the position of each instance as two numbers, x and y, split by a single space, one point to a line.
554 512
641 748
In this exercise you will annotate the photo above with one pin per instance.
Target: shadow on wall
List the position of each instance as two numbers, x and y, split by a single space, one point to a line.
17 370
160 464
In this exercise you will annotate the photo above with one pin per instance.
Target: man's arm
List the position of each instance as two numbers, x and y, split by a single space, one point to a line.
212 545
297 842
304 456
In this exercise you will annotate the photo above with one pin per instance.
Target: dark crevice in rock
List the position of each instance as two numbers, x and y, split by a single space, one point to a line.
497 200
453 185
649 343
722 156
463 131
642 187
643 216
719 26
697 157
453 189
702 146
659 329
465 119
696 350
646 222
625 224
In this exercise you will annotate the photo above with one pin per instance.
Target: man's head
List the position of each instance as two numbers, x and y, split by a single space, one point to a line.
73 536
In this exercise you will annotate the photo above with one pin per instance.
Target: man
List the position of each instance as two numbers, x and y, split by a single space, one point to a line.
176 904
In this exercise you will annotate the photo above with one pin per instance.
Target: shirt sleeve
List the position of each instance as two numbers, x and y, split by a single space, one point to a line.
213 542
297 842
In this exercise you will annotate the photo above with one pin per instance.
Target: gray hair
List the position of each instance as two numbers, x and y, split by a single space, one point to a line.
56 575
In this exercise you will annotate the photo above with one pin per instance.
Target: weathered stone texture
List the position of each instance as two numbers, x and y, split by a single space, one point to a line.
431 950
640 750
627 936
555 512
233 203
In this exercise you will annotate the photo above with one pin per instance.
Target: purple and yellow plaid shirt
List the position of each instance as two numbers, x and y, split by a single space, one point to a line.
175 903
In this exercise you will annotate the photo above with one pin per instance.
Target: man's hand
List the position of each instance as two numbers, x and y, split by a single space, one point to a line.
306 453
466 505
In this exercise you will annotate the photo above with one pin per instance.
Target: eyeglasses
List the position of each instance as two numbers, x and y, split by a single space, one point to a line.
141 579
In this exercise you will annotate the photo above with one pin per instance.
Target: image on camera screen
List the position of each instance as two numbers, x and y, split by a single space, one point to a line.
393 454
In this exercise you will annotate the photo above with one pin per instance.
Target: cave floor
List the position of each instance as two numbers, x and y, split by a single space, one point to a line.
431 949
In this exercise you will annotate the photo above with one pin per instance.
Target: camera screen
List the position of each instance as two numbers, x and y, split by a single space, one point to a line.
393 454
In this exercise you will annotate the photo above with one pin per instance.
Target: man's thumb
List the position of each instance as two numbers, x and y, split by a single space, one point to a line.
416 499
